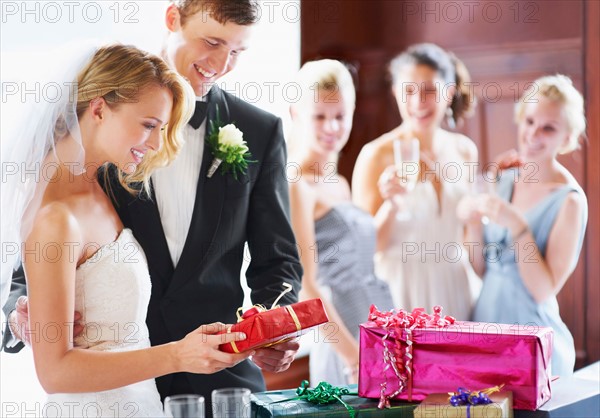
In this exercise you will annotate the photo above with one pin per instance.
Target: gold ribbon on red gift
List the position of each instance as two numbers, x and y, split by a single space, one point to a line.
292 320
258 308
294 317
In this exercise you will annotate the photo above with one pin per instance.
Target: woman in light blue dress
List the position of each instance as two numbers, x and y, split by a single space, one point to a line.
537 219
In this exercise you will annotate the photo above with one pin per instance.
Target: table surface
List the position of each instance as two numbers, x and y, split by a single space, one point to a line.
574 397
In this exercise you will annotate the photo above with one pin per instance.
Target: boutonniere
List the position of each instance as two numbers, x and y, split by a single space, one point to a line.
229 150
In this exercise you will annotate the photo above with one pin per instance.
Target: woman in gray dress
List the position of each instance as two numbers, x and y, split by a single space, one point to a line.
336 239
537 219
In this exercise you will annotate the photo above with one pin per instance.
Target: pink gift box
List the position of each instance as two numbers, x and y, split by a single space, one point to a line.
465 354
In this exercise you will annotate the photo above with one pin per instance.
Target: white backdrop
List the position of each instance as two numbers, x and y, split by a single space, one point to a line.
261 77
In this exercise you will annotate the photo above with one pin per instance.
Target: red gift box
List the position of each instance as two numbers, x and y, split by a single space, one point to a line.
414 361
264 328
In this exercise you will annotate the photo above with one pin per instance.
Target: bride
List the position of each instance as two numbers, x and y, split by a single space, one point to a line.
120 108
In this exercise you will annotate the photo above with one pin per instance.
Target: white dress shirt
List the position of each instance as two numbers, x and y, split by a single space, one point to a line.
175 190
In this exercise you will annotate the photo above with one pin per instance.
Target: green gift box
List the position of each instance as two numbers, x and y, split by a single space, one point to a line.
270 404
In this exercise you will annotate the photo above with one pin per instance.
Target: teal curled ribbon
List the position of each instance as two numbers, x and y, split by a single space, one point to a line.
323 394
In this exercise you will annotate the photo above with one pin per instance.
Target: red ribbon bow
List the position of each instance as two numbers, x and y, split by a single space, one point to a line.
399 325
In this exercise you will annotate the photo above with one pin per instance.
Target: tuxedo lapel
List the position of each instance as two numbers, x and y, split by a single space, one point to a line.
210 195
146 223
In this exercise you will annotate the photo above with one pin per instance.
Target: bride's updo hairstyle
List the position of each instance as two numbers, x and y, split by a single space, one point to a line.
119 74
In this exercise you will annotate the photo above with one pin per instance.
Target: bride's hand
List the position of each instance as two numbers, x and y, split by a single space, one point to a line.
198 352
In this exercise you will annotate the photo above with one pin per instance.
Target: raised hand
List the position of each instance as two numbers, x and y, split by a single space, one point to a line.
506 160
502 213
472 208
390 184
469 209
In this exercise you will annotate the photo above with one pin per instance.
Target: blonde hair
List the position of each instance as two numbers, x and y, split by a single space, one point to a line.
328 75
559 89
322 75
118 73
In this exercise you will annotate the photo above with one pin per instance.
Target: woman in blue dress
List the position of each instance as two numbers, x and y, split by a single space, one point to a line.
537 219
336 239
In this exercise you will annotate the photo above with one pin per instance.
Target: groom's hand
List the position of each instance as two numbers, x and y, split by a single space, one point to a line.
18 321
276 358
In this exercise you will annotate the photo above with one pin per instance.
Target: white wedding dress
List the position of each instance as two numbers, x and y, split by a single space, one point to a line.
425 262
112 293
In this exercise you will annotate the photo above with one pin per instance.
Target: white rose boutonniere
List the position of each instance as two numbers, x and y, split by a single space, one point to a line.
228 148
231 136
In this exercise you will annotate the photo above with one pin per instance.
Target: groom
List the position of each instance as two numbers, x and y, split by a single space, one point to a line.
194 229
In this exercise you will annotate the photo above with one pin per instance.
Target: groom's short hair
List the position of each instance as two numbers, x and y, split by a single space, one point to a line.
240 12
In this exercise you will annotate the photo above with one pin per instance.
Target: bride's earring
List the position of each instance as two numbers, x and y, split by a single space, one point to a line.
450 118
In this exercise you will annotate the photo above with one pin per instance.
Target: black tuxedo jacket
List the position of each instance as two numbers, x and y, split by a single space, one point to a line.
204 287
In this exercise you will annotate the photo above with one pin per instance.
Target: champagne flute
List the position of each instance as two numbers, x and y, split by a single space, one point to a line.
184 406
231 403
407 163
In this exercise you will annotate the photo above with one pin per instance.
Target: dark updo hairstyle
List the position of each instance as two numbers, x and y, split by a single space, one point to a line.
450 69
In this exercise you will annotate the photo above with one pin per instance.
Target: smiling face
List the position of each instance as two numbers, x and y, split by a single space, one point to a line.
543 129
203 50
422 97
129 130
328 121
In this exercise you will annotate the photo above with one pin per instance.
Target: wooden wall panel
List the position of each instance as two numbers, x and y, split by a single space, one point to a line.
478 23
592 185
544 37
289 379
